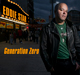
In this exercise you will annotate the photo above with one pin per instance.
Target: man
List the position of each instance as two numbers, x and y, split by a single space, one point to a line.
60 44
20 35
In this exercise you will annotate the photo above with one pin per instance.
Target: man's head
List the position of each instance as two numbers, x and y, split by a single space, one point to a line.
61 11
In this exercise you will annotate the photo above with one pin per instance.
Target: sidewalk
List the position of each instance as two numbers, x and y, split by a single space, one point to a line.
22 64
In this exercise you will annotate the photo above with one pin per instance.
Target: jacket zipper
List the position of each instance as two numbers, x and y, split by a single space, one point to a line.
58 44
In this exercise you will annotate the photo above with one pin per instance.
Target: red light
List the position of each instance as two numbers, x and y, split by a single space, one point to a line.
42 20
27 27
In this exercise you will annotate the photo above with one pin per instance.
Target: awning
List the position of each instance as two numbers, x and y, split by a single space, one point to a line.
9 20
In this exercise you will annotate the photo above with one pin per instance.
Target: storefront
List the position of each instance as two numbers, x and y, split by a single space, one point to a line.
12 17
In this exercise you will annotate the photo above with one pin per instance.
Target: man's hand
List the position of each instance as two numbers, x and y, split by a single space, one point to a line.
77 66
52 69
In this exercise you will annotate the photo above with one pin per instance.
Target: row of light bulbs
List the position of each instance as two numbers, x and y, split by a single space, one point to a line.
11 18
18 6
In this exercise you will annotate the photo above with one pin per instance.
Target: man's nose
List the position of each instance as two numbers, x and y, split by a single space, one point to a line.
64 12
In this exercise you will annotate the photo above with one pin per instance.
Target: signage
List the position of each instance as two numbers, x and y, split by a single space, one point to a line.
16 26
9 25
13 14
36 25
42 20
13 11
2 24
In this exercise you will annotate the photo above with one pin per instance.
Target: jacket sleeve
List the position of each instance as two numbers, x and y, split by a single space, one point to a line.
77 43
43 49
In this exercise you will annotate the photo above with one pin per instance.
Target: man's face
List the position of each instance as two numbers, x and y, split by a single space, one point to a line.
62 12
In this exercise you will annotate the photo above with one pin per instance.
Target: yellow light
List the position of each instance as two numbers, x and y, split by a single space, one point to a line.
8 0
15 3
10 12
12 18
4 10
19 16
9 17
18 6
5 16
2 15
7 11
11 2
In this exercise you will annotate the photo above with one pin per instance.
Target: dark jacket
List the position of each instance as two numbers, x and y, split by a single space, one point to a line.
49 44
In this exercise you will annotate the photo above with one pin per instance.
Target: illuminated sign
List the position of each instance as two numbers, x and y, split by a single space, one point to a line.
2 24
17 26
42 20
13 14
9 26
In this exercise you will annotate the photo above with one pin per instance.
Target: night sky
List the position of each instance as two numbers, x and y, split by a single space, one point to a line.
42 7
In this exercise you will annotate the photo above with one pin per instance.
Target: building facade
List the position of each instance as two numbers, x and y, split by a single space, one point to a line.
12 17
30 9
74 16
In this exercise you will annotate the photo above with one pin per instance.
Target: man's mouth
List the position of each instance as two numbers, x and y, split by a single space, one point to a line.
63 16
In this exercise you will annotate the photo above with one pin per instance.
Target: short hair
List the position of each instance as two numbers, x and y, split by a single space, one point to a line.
57 6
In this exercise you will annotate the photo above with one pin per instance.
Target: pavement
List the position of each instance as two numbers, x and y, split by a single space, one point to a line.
21 64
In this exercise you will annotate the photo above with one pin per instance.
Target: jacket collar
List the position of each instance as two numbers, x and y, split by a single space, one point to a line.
53 27
69 23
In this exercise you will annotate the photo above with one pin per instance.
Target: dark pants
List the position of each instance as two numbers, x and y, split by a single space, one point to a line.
65 67
20 39
6 39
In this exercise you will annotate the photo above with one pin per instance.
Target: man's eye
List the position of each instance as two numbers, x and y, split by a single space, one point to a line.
61 9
